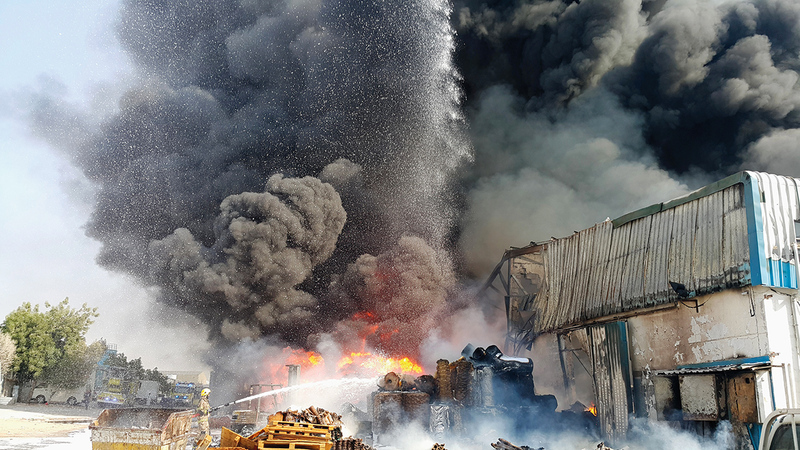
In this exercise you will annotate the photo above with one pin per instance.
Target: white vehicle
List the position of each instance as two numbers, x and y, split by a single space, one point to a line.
780 430
147 393
45 394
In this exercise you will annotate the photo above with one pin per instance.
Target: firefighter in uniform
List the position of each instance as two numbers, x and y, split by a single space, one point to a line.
203 410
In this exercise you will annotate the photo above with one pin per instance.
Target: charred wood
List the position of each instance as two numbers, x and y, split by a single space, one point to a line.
428 385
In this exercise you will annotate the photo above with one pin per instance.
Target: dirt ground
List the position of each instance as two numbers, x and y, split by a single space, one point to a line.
43 420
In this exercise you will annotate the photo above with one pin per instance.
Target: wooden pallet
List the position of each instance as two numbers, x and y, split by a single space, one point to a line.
294 434
203 445
231 439
269 444
303 426
294 430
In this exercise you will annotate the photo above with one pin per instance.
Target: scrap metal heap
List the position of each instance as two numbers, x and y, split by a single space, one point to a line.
482 385
310 429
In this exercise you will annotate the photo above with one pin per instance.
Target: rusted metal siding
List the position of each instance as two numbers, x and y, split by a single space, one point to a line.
742 397
655 284
610 370
734 229
606 270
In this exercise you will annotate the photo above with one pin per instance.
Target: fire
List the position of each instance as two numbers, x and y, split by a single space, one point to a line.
592 409
313 366
377 364
305 359
364 315
274 367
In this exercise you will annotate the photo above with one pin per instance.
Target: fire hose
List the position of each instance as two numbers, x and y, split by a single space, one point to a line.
335 382
252 397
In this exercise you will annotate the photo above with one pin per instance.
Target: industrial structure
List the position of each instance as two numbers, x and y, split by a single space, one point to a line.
683 312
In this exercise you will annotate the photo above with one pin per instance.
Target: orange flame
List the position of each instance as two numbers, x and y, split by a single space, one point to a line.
313 367
305 359
377 364
364 315
592 409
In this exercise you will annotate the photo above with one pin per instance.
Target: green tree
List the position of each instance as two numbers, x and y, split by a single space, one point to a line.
51 345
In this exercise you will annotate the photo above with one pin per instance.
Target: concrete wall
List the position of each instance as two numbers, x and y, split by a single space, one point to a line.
733 324
727 325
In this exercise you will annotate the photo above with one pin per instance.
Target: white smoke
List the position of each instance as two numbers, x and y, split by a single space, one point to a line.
554 172
775 153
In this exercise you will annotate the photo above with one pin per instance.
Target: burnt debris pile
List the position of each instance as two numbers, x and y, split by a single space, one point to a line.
481 386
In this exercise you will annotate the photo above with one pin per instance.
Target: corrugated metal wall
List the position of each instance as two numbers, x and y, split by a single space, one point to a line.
603 270
777 214
610 371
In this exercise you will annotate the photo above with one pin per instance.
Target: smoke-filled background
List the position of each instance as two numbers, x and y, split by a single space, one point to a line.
334 173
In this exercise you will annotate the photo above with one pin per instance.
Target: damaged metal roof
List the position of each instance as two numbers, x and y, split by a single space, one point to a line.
706 241
731 365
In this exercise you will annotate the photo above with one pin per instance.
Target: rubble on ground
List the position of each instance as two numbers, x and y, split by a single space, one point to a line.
482 386
350 444
503 444
603 446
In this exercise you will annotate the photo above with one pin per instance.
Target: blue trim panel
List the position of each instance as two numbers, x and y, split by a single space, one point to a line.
754 431
728 362
782 274
755 233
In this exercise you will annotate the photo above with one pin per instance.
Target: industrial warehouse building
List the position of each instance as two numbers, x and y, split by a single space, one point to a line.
683 312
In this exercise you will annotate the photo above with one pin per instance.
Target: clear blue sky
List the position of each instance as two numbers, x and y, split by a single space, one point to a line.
44 201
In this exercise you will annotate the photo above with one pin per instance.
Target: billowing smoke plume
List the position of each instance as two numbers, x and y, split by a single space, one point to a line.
226 173
253 131
585 110
554 172
397 297
264 248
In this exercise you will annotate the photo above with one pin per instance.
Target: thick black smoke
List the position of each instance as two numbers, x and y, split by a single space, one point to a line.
254 129
709 79
266 244
711 82
225 174
404 291
583 110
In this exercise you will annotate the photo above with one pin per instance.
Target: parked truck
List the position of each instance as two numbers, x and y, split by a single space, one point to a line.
183 395
116 392
780 430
